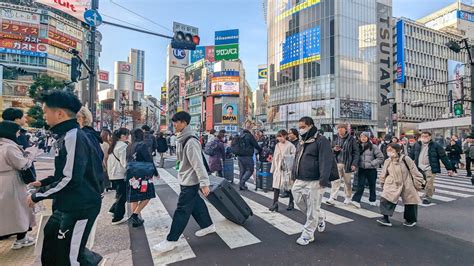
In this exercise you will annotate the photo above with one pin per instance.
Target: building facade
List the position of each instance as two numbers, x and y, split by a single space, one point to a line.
137 59
323 62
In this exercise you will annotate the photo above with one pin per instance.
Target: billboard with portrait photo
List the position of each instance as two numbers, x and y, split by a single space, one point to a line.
230 113
455 76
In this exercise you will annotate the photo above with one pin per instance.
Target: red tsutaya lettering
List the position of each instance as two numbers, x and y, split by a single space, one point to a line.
66 4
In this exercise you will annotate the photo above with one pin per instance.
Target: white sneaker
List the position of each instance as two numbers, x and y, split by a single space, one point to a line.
355 204
303 241
373 203
347 201
123 220
330 201
322 224
208 230
25 242
165 246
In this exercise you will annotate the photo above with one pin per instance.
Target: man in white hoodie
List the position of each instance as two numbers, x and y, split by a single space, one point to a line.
193 178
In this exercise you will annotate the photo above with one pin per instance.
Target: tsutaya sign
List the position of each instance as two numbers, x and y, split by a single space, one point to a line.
384 58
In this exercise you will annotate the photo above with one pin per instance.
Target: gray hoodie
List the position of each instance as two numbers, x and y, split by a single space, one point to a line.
191 168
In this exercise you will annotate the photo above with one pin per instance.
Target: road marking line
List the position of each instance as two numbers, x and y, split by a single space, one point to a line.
233 235
279 221
331 218
440 181
157 225
361 212
453 181
455 188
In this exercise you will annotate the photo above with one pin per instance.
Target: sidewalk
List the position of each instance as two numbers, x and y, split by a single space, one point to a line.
112 242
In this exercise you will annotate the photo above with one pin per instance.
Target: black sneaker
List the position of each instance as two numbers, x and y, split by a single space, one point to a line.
135 221
409 224
426 201
116 221
384 222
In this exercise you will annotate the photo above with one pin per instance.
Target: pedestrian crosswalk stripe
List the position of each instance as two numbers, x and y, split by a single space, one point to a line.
279 221
438 181
157 223
361 212
398 208
447 179
440 198
331 218
451 193
455 188
233 235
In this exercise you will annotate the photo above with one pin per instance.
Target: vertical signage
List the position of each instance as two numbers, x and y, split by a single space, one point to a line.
400 52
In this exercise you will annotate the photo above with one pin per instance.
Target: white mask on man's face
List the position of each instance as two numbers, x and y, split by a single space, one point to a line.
304 130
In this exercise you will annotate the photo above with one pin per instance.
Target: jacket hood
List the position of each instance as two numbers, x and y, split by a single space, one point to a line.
187 132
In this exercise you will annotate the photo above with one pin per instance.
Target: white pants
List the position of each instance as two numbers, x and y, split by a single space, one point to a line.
308 196
346 178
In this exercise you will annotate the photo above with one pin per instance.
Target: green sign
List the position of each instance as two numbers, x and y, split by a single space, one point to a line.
226 52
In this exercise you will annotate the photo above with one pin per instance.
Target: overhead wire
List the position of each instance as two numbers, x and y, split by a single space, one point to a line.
123 21
141 16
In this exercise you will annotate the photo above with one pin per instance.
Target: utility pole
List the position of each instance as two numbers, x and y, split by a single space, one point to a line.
471 55
92 65
391 99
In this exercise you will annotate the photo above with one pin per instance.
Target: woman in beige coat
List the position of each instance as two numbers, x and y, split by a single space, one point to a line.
399 178
15 216
282 163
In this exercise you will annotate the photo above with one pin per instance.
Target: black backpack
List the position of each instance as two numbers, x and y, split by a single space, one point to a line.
241 146
206 165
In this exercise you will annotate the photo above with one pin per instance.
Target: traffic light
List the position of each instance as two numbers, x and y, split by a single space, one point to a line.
458 109
75 69
185 41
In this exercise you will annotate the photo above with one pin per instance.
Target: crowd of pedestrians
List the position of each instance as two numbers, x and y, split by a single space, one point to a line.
304 165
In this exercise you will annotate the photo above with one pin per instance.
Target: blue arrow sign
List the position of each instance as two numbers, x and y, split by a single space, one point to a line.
93 18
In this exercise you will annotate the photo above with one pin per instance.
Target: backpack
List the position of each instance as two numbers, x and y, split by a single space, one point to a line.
206 165
241 147
211 148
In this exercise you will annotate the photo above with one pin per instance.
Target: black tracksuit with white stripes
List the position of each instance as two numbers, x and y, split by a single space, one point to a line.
76 192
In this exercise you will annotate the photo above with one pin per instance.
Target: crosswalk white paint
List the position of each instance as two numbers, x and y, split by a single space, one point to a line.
279 221
233 235
440 181
157 225
454 181
331 218
455 188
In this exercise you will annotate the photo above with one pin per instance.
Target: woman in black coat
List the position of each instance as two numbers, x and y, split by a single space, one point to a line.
454 152
138 151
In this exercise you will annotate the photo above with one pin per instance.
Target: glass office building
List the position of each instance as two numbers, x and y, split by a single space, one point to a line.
323 62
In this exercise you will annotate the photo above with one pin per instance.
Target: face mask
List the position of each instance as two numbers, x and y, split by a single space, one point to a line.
391 154
304 131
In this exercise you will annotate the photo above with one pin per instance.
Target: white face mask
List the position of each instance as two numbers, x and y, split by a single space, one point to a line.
391 154
304 131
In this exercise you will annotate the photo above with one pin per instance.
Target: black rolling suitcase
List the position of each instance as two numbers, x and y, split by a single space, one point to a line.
264 177
228 202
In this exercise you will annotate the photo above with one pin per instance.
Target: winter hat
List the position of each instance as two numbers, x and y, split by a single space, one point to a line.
8 130
342 125
366 133
388 137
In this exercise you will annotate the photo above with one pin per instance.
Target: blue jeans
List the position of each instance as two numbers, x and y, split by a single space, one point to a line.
246 167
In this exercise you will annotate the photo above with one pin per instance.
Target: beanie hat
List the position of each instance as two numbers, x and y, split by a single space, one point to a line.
342 125
8 130
366 133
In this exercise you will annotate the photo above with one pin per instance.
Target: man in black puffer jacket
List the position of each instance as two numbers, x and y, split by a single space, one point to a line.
312 169
247 145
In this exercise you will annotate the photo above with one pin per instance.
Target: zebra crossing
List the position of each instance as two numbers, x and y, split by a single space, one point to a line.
158 218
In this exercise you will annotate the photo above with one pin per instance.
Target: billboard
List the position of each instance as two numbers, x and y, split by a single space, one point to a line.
19 29
22 52
20 16
226 52
455 74
302 47
103 76
226 37
139 86
315 109
367 36
356 110
229 113
262 73
400 52
19 45
179 57
198 54
210 53
228 85
61 38
466 16
75 8
443 21
124 68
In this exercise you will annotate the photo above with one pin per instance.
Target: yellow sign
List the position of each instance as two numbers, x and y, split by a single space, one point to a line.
297 8
300 61
229 119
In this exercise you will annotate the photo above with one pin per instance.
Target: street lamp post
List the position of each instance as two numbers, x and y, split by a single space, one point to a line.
391 100
455 47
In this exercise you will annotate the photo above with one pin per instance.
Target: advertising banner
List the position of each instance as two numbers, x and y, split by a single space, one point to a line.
179 57
227 73
75 8
315 109
357 110
303 47
198 54
54 35
385 62
466 15
262 73
139 86
103 76
18 45
18 37
441 22
288 9
455 73
124 68
226 52
400 52
20 16
225 88
226 37
229 113
182 91
22 52
210 53
19 29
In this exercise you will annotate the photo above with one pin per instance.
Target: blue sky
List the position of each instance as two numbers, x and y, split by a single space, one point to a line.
208 16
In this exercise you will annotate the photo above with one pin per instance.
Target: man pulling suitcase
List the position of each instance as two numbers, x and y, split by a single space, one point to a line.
193 177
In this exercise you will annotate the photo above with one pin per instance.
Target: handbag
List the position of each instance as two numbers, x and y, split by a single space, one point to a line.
28 175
